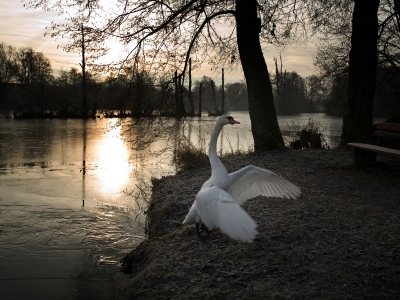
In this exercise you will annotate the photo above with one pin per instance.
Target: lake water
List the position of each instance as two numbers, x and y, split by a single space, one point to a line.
69 196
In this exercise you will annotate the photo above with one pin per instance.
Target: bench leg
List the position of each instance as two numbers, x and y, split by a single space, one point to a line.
362 158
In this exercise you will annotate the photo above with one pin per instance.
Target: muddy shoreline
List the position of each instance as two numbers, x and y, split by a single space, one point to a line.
339 240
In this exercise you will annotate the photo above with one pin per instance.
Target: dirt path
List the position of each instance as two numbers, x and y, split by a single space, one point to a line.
339 239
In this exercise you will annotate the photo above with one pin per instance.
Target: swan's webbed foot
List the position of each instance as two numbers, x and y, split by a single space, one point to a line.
198 227
204 228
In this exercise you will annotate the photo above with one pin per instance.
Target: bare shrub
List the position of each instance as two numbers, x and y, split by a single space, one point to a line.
306 134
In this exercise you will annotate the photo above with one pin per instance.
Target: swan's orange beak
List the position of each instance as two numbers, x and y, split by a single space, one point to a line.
232 121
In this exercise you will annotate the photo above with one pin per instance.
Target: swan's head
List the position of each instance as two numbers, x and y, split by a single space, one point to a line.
225 120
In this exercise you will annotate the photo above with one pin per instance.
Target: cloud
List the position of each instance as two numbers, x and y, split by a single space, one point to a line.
21 27
295 59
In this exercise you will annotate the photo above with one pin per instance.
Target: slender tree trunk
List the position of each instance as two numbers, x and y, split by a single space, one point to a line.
282 87
138 101
178 113
83 65
180 109
190 89
183 110
41 91
214 100
223 93
277 81
42 95
279 84
264 122
284 92
358 111
200 100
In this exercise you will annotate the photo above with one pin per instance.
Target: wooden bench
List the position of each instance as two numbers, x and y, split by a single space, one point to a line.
365 154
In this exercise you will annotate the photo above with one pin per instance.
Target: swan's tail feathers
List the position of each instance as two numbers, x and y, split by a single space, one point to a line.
191 216
217 208
236 223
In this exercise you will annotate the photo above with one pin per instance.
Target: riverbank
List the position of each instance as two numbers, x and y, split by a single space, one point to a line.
340 239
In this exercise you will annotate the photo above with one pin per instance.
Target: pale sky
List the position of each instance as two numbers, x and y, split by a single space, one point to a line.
21 27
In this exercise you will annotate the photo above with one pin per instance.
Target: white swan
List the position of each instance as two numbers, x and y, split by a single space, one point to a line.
219 199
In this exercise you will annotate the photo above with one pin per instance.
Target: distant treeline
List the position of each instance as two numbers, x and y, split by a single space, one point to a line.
27 84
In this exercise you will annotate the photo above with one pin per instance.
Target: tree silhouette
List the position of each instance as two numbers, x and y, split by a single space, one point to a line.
168 33
32 70
357 40
363 58
7 54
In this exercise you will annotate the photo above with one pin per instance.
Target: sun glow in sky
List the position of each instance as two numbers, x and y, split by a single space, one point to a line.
21 27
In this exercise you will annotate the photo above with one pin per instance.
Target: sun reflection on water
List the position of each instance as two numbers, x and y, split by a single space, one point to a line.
113 161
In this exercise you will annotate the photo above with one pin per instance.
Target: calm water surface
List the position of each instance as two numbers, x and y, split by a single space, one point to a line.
67 215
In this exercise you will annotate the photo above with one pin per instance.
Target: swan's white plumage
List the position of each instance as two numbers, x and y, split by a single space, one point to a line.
252 181
217 209
218 202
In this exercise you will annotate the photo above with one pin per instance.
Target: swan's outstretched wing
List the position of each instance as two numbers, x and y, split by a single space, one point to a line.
217 208
252 181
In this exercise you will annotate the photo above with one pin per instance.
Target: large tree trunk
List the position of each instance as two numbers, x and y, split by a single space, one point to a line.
358 111
264 122
397 11
395 117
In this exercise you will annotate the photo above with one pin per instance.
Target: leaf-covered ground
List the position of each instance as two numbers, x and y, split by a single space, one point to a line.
339 240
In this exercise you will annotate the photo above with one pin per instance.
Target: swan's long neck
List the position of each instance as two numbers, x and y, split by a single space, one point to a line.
216 165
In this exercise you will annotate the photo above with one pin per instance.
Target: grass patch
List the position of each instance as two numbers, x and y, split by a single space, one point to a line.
237 152
188 156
